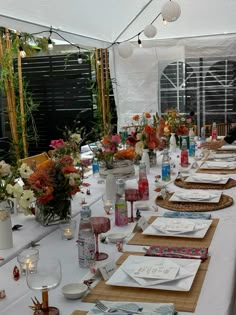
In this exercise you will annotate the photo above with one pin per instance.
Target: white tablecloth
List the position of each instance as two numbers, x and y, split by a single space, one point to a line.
217 296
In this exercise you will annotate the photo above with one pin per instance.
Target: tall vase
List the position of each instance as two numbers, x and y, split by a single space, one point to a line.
145 158
6 239
110 185
172 143
53 212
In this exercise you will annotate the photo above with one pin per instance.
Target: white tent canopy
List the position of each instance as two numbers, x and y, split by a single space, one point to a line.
96 23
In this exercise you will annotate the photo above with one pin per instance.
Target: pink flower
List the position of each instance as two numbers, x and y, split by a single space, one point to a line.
57 144
189 120
115 138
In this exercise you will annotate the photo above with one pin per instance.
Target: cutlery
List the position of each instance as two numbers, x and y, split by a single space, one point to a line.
105 309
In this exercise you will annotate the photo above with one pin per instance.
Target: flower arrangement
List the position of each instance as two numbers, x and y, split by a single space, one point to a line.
175 122
54 183
146 132
109 152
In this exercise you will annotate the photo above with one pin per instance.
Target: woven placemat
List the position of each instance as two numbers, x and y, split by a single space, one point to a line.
183 301
225 201
78 312
187 185
216 171
148 240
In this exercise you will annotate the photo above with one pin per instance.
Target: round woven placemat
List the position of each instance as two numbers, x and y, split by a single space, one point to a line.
183 184
225 201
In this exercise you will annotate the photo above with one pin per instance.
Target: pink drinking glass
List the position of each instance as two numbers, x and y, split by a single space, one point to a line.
100 225
132 195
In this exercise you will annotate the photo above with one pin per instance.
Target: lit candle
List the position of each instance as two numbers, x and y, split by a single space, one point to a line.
68 233
28 264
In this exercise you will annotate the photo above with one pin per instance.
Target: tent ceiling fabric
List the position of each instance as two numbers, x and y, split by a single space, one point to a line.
94 23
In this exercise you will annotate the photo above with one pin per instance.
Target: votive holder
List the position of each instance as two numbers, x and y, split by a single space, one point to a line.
28 259
68 229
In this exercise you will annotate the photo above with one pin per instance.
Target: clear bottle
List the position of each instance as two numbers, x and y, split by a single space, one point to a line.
95 167
165 167
203 134
146 159
214 132
191 134
121 210
86 239
192 147
143 185
184 154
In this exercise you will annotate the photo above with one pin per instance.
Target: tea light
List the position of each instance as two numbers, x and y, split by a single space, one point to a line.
68 229
28 259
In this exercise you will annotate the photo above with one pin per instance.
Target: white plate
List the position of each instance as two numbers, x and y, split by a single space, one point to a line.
201 226
183 282
196 196
218 165
207 178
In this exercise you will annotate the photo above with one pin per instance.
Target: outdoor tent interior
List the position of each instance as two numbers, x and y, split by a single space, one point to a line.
189 64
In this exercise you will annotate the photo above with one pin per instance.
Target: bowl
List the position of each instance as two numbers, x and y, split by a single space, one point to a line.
74 290
116 237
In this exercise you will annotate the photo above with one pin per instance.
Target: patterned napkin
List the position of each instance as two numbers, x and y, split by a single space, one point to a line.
187 215
151 308
178 252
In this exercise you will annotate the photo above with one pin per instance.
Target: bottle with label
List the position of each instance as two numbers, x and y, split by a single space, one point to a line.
95 167
121 210
192 147
165 167
214 132
184 154
86 239
143 185
203 134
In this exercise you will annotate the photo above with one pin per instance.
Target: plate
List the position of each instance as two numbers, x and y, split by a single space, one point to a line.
196 196
182 282
157 227
207 178
218 165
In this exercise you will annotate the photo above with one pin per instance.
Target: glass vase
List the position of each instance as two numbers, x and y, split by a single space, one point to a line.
6 239
146 159
172 143
53 212
110 185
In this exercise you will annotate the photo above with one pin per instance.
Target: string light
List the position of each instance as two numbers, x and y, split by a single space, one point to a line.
165 22
139 42
22 52
50 44
80 59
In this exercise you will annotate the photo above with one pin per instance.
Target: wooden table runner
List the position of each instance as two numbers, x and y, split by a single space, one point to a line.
216 171
183 301
148 240
187 185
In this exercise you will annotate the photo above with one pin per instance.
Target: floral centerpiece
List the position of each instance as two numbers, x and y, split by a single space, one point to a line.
110 156
54 183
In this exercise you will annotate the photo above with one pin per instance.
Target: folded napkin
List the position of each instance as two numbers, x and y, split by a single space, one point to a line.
153 308
178 252
187 215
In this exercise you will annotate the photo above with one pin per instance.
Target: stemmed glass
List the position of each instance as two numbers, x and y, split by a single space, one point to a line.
100 225
46 277
132 195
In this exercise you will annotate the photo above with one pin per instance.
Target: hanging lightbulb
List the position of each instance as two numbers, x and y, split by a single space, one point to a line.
140 42
80 59
165 22
98 62
150 31
50 44
171 11
22 52
125 50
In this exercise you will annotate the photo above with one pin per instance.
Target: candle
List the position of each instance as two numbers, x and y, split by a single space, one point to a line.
28 259
68 233
68 229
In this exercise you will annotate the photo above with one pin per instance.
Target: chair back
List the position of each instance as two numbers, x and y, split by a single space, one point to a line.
34 160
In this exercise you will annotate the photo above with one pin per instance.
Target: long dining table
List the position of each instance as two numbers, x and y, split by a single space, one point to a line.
218 292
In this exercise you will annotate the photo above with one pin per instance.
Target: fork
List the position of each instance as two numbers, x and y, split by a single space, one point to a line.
105 309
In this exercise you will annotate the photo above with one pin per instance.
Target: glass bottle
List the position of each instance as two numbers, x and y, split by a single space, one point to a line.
110 185
184 154
172 143
143 185
192 147
86 239
214 132
121 210
203 134
146 159
95 167
165 167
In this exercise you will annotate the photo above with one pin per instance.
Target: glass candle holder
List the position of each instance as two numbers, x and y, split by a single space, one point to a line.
28 258
68 229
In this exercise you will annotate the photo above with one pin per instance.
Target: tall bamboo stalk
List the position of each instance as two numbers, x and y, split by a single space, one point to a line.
103 89
22 109
107 82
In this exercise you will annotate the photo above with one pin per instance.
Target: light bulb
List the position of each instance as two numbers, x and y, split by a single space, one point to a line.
165 22
125 50
99 62
50 44
80 59
171 11
150 31
140 43
22 52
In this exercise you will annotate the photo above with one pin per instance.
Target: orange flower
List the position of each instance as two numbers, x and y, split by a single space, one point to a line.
147 115
67 169
148 129
126 154
106 140
136 117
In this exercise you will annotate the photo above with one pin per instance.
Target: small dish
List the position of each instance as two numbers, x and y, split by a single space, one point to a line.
74 290
116 237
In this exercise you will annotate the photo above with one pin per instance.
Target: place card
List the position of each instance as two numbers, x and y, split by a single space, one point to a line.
142 223
107 270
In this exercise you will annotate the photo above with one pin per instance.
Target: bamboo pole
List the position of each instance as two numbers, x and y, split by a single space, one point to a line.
107 82
102 89
22 109
12 93
98 77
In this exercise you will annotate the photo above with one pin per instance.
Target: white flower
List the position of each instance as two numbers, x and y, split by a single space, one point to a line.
5 169
25 171
75 137
139 147
73 177
26 199
15 190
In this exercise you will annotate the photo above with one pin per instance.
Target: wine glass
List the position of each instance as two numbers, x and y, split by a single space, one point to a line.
100 225
46 277
132 195
108 204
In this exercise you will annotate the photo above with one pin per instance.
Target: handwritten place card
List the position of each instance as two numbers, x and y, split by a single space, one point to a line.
142 223
161 270
107 270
